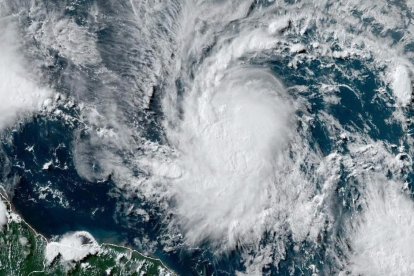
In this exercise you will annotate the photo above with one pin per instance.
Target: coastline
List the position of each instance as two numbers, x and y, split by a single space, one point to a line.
19 219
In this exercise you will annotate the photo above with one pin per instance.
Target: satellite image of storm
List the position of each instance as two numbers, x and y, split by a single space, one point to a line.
206 137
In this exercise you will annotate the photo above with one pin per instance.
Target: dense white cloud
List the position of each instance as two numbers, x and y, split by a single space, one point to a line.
72 247
19 93
236 161
3 214
401 85
381 238
239 166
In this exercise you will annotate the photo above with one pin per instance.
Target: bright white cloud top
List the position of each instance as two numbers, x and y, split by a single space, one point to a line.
20 95
4 214
401 85
242 128
72 247
382 236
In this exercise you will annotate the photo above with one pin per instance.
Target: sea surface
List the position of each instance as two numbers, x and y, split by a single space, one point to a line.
223 137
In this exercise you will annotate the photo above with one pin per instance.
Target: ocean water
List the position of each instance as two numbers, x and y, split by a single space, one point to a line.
223 137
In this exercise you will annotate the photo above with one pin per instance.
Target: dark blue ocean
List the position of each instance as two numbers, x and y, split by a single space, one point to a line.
55 199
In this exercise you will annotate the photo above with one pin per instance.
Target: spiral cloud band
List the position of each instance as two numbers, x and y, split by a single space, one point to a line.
240 137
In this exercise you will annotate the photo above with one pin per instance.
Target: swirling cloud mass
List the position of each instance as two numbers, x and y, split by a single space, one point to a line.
271 136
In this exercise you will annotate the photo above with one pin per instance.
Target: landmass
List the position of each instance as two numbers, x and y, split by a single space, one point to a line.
26 252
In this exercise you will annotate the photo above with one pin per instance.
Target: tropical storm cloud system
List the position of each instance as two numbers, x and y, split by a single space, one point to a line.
206 137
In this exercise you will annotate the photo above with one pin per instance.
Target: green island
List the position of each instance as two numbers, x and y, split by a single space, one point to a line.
25 252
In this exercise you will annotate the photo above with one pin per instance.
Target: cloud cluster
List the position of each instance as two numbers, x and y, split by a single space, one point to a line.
19 93
72 247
